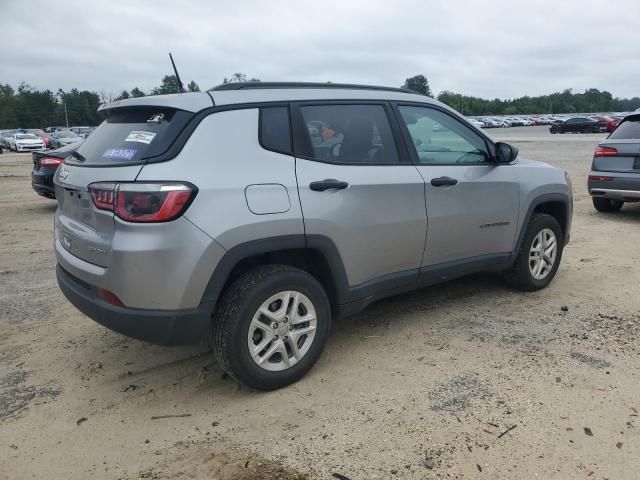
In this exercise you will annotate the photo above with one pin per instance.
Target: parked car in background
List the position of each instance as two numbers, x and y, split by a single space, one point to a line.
64 137
54 129
610 123
25 142
45 137
4 137
82 132
615 171
44 167
577 125
477 123
516 122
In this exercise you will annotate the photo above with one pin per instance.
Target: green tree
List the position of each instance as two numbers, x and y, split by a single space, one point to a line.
418 83
169 85
123 96
239 78
193 86
137 93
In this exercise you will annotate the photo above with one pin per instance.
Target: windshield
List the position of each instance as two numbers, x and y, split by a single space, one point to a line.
26 136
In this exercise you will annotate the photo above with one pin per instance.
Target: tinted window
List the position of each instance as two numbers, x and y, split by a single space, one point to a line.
349 134
133 134
441 139
275 133
628 129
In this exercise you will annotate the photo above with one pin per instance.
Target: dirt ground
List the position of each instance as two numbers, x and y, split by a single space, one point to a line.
422 385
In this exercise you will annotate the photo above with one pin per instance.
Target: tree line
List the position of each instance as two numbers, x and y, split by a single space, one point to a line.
27 107
591 100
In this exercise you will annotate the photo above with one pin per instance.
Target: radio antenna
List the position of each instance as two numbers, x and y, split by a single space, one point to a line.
175 70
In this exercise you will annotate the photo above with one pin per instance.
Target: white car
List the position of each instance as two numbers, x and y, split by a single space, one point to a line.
25 142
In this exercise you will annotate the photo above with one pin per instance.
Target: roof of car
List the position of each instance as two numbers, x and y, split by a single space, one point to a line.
251 92
255 92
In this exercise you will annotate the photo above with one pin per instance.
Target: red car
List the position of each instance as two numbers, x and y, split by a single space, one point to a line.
42 135
611 123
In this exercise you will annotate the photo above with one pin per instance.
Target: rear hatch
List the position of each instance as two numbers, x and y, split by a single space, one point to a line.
128 138
620 152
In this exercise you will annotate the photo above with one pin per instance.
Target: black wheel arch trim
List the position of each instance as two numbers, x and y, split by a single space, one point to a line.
536 202
342 292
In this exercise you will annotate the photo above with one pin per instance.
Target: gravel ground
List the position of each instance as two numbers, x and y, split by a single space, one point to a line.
422 385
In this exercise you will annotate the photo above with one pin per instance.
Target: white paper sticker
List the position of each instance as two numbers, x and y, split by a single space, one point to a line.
140 136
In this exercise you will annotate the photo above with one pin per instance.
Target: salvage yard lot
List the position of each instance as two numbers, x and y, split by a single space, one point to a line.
421 385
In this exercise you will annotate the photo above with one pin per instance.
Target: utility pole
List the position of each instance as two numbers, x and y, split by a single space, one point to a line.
66 116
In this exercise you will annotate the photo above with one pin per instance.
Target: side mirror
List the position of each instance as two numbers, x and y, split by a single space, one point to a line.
505 153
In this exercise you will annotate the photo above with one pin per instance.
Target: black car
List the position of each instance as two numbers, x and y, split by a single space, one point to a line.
45 165
578 125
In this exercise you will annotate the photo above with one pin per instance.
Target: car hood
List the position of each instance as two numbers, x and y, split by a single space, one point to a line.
69 140
29 141
524 162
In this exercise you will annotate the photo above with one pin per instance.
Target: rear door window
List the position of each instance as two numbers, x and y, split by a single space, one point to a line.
627 130
132 135
348 134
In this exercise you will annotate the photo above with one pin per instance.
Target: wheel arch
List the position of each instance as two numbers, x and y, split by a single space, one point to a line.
557 205
316 255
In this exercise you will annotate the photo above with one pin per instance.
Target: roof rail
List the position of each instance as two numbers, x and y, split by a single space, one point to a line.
267 85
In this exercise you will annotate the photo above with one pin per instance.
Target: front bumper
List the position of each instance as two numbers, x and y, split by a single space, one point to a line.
30 148
622 186
161 327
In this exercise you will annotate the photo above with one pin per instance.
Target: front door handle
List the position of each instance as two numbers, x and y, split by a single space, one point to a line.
443 181
326 184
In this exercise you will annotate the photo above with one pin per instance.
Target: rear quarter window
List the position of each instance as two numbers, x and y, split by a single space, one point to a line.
275 130
627 130
132 135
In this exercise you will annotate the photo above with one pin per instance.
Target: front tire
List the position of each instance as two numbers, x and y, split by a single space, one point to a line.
606 205
539 256
271 326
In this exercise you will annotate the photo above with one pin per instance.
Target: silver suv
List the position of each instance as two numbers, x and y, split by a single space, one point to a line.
254 214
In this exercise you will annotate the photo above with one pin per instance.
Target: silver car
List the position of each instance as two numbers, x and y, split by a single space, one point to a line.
255 214
615 170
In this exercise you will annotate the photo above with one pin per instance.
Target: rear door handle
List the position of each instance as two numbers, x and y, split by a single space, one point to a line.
443 181
326 184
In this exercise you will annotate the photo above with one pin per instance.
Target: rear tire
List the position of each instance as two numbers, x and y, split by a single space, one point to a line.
258 323
538 258
553 129
606 205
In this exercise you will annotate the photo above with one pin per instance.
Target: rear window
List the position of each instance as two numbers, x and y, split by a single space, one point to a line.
628 129
131 135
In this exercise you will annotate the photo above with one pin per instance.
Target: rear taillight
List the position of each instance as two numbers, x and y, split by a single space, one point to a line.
49 161
143 202
605 151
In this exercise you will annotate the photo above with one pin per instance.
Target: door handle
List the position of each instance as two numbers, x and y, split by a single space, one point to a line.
443 181
326 184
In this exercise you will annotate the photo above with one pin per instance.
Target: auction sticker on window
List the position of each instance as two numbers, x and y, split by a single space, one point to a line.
120 153
140 136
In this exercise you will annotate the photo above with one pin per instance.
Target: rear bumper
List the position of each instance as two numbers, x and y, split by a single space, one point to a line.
42 183
622 186
161 327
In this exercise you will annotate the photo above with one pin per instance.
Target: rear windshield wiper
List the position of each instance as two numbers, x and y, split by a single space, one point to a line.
78 156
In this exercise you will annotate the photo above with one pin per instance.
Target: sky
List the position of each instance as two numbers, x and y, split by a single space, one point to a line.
490 48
